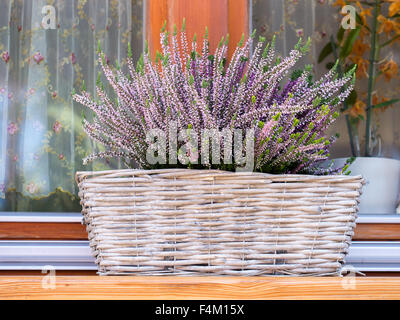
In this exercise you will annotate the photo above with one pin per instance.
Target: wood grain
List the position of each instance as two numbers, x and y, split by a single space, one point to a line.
76 231
39 273
156 14
238 22
94 272
378 231
221 17
42 231
200 14
95 287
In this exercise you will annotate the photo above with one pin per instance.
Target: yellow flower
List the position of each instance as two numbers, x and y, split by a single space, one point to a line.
386 25
362 66
376 100
389 70
340 3
358 109
364 12
359 48
394 8
363 33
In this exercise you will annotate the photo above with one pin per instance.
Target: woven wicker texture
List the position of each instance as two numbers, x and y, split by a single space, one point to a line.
181 221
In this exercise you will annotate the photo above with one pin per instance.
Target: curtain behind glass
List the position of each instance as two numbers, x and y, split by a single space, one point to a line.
41 140
318 19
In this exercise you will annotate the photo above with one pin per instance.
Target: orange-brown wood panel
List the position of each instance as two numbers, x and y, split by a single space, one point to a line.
156 14
378 231
76 231
42 231
39 273
220 16
238 22
200 14
382 274
94 287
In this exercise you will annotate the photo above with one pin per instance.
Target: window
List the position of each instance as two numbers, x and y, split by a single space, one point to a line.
41 140
319 19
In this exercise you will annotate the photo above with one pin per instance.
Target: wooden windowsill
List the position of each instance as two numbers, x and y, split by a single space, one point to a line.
77 231
96 287
67 226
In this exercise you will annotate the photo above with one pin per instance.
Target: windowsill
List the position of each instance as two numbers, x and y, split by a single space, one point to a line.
95 287
29 241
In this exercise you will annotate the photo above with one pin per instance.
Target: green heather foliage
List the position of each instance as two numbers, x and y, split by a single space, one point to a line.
197 91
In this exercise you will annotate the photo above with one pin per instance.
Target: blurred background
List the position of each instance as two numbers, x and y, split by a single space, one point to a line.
41 140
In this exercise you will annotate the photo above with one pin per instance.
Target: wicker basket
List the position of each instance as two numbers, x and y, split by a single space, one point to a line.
209 222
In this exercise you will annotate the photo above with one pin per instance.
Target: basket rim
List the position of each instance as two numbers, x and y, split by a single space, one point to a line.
81 175
134 217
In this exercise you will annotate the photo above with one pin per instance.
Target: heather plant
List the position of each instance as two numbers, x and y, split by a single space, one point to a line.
196 91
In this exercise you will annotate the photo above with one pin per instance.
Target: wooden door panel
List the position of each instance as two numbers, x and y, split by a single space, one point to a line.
220 16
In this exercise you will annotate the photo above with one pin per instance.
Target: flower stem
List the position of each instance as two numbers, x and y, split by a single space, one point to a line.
390 41
371 76
348 123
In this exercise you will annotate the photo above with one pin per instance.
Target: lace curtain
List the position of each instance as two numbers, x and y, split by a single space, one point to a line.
41 140
319 19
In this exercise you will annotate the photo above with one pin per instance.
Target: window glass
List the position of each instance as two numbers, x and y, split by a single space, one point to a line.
320 19
41 140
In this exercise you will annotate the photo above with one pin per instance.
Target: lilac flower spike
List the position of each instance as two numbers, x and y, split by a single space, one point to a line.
197 90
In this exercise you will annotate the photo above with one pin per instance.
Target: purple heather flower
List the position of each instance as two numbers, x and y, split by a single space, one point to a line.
200 90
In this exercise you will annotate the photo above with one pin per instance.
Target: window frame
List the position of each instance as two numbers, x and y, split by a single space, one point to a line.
38 229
